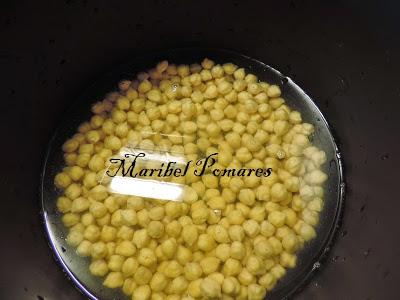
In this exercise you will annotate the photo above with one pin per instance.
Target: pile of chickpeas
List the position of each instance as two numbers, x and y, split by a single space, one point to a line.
230 237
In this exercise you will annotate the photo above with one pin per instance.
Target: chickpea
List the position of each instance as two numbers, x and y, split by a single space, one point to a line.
141 238
142 275
74 238
98 267
236 233
256 292
235 217
64 204
263 249
193 271
245 277
79 205
113 280
307 232
129 266
277 218
169 247
257 213
222 252
200 215
173 270
125 248
177 286
238 250
190 234
247 197
194 288
231 286
70 145
316 204
158 282
251 228
206 242
142 292
243 155
209 264
210 288
146 257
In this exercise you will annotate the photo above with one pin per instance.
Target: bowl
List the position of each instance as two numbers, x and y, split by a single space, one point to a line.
309 258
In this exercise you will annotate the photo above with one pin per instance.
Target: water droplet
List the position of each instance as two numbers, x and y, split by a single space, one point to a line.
335 258
344 85
344 233
218 212
385 157
284 80
316 265
386 274
367 252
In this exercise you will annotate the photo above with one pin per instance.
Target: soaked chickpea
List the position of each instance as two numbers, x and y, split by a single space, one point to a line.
226 237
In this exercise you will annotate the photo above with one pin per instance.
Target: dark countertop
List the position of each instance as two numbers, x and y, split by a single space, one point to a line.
346 55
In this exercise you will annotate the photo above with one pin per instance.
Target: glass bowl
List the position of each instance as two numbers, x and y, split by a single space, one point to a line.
309 258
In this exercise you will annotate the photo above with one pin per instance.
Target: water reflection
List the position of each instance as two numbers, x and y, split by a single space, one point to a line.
146 188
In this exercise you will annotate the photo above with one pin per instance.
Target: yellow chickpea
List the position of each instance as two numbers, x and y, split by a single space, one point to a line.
209 264
64 204
125 248
142 275
251 228
256 292
220 234
142 292
98 267
238 250
210 288
70 145
245 277
173 270
277 218
146 257
231 286
192 271
113 280
206 242
158 282
129 266
247 197
222 252
190 234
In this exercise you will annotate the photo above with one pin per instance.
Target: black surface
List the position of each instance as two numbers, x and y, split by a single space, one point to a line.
346 55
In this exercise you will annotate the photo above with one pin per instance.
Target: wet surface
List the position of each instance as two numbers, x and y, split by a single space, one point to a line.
345 55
